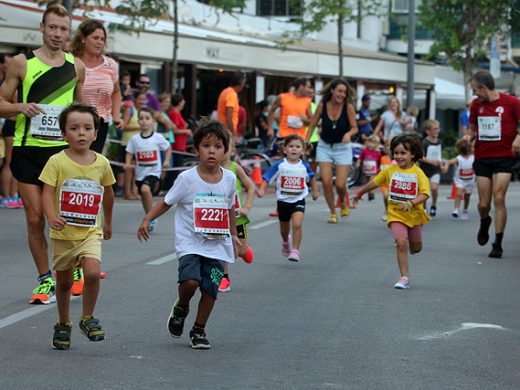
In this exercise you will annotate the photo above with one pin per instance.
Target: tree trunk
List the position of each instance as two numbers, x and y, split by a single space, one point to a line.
175 46
340 44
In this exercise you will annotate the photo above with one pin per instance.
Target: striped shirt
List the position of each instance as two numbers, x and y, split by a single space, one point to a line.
99 86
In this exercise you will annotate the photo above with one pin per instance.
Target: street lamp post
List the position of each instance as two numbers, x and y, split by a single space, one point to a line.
411 54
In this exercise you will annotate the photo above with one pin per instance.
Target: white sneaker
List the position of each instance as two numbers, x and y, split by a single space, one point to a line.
384 216
464 216
455 213
402 283
294 256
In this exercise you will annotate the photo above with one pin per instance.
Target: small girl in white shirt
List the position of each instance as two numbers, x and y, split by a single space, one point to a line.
291 175
464 178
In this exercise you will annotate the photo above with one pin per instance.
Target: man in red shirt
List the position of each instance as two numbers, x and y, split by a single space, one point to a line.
494 118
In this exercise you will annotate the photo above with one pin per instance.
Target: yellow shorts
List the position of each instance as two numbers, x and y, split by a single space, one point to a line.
66 254
2 148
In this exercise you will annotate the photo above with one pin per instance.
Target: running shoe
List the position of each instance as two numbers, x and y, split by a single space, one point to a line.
464 216
402 284
286 247
79 281
371 196
176 320
496 251
294 256
44 293
102 275
11 203
455 213
483 231
345 211
433 211
225 285
198 340
61 337
273 214
91 328
249 256
153 225
384 216
18 200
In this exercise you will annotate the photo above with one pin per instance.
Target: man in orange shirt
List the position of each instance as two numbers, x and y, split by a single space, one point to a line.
227 105
295 110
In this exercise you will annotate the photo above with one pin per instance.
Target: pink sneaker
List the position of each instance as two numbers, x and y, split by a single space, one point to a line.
294 256
225 285
12 203
249 256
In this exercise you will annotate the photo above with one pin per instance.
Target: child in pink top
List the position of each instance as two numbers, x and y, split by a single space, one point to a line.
370 160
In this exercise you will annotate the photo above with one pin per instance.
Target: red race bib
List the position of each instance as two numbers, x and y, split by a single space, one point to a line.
80 202
403 187
292 185
147 158
466 174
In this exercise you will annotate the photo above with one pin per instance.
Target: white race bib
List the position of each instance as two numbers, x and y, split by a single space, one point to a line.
403 187
80 201
489 128
369 167
46 126
211 216
434 152
294 122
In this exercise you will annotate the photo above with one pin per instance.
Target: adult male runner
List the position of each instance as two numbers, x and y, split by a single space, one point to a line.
295 110
494 118
47 80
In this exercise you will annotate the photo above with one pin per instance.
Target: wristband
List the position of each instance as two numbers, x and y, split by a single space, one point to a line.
409 203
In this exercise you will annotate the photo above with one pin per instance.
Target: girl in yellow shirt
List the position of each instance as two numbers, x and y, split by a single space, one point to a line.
408 190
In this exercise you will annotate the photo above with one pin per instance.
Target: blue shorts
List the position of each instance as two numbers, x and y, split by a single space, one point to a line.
339 153
208 272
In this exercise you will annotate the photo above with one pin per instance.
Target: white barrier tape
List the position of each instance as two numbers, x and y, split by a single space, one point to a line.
116 141
120 164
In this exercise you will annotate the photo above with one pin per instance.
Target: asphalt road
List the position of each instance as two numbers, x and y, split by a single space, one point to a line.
332 321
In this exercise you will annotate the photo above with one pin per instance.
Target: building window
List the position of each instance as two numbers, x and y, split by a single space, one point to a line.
401 6
278 8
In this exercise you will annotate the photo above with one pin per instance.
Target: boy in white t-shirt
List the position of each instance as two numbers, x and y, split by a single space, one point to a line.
145 147
205 229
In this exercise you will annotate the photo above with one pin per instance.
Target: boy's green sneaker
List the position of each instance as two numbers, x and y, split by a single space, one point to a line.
61 338
90 326
44 293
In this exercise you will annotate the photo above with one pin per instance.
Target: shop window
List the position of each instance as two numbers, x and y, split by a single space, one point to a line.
278 8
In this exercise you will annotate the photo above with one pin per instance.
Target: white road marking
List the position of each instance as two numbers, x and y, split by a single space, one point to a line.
261 225
22 315
163 260
464 326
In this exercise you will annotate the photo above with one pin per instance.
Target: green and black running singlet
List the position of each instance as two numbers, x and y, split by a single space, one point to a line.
52 88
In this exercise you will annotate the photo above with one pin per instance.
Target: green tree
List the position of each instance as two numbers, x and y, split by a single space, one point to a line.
316 14
463 28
